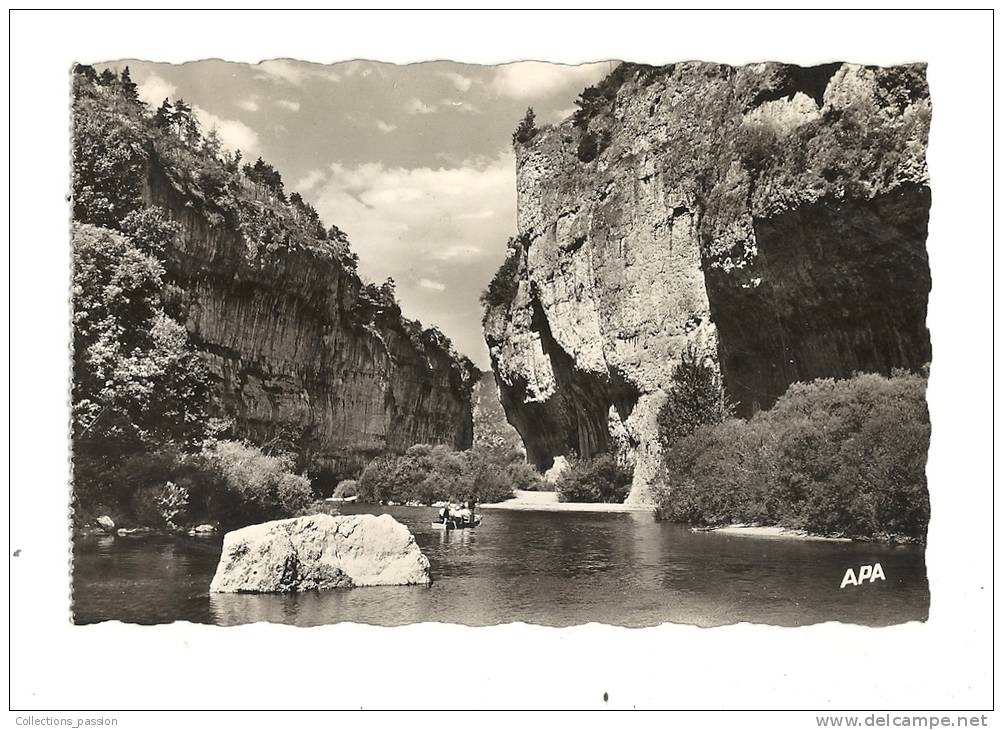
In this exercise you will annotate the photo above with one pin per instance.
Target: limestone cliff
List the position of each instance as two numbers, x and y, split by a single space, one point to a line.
491 426
295 345
773 216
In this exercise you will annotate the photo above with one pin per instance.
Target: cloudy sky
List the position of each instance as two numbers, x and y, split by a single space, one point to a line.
414 162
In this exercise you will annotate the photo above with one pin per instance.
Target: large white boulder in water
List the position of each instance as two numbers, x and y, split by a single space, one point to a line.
317 552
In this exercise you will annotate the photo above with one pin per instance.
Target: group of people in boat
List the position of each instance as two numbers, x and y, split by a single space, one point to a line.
458 515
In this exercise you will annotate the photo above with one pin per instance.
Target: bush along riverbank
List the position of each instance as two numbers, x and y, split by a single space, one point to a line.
837 458
597 480
425 474
224 485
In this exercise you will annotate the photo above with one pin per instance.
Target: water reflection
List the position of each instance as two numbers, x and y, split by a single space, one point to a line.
549 568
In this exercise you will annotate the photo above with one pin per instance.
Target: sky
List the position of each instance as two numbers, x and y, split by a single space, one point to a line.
413 162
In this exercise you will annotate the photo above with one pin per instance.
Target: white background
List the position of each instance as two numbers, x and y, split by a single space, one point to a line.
943 664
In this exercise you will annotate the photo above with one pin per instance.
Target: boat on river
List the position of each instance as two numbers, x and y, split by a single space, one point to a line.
456 524
343 500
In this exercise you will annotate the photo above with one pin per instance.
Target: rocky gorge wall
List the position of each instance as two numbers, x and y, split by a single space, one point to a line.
293 345
771 216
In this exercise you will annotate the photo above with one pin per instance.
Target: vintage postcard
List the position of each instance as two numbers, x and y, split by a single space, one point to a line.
538 343
476 360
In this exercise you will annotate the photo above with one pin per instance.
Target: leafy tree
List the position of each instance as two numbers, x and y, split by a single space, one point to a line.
150 230
505 282
212 145
526 129
599 479
186 123
86 72
264 176
163 118
388 292
109 154
137 381
697 398
233 162
434 337
129 89
336 234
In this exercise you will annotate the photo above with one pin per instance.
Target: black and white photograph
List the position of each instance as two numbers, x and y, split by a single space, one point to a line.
556 344
601 340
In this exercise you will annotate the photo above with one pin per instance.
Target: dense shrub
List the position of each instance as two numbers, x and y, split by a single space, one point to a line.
426 474
599 479
696 398
591 144
758 144
496 470
844 457
346 488
250 486
505 283
110 139
229 482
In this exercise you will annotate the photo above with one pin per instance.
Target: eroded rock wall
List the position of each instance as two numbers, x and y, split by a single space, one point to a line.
771 216
293 345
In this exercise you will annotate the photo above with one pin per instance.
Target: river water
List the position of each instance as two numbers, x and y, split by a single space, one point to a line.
548 568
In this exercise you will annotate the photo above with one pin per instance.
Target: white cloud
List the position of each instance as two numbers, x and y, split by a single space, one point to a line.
235 135
385 127
417 106
431 284
446 226
287 71
249 104
294 72
460 252
154 89
477 215
353 68
533 79
308 181
293 106
463 106
461 82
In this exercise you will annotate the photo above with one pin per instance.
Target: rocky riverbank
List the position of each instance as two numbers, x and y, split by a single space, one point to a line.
548 502
777 532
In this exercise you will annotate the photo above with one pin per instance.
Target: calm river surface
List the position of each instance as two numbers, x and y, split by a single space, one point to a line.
538 567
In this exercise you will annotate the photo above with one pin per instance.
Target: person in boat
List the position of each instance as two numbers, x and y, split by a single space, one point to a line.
464 515
444 514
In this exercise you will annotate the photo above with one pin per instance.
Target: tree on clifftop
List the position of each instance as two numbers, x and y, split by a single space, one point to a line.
526 129
129 88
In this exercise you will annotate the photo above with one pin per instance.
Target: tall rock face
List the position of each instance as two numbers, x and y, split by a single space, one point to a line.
491 426
294 345
773 217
